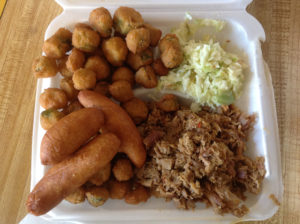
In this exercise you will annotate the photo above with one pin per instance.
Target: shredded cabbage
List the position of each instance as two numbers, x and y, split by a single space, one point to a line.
190 26
208 74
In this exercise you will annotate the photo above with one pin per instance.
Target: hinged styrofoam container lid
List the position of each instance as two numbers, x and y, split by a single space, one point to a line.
179 4
242 36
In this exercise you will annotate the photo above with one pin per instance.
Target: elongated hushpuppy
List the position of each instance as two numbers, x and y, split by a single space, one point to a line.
118 122
69 133
65 177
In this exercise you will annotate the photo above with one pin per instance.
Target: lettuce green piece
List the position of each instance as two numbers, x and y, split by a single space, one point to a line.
225 98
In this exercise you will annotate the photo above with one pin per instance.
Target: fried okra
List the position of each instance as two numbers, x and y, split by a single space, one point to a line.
101 176
136 109
62 67
118 189
126 19
121 90
169 40
135 61
172 57
78 196
97 196
137 195
101 20
44 67
138 40
122 169
168 103
102 88
123 73
159 68
84 79
75 60
99 65
97 52
72 107
146 77
155 34
58 44
171 53
82 25
53 98
85 39
67 85
115 50
49 117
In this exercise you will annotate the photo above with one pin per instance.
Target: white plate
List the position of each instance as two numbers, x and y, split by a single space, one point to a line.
245 34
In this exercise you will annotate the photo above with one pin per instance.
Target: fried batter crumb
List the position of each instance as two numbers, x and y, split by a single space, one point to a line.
274 199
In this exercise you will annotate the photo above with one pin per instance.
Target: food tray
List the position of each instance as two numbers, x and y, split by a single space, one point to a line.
245 35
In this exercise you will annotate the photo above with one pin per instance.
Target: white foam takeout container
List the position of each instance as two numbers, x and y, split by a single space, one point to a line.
245 35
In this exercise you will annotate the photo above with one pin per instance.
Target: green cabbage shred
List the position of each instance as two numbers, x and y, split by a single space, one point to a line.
208 74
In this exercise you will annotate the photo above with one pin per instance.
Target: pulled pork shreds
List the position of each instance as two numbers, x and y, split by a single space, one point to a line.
199 157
